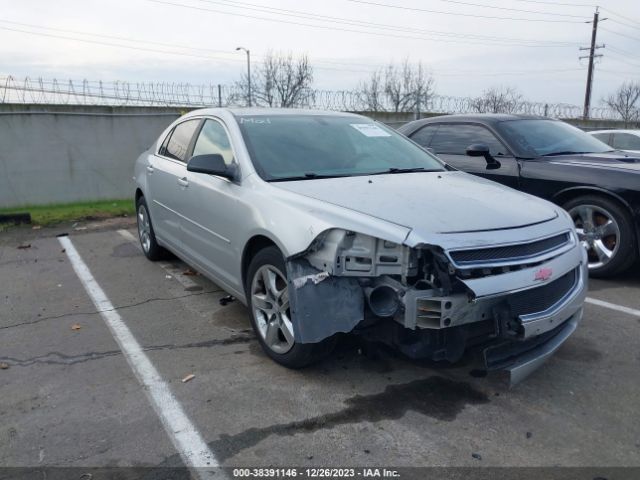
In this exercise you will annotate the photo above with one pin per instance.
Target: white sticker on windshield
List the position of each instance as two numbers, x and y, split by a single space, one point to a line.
370 130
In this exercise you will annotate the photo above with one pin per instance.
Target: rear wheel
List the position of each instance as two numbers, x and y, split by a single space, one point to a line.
606 230
268 298
147 236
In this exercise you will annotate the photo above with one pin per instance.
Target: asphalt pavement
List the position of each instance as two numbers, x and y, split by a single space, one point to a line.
73 394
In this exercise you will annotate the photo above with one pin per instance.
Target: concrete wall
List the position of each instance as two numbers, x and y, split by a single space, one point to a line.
80 154
58 154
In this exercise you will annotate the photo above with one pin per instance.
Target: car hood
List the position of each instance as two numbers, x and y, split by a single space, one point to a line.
616 160
430 202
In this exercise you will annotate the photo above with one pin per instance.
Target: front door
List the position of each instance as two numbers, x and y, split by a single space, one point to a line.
210 224
450 141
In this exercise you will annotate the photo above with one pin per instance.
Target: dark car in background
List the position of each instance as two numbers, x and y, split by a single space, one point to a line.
598 186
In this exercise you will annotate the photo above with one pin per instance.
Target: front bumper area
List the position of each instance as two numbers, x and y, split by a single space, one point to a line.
523 327
519 362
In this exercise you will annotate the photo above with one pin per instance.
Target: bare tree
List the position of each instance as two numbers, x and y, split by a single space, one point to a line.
626 101
371 93
497 100
280 81
408 87
404 88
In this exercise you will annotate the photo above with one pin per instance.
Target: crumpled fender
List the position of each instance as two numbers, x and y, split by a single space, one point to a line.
321 305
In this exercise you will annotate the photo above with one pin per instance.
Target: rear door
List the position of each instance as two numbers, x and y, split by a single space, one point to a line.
167 180
450 141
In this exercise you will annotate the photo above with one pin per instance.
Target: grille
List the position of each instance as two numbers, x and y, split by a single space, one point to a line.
509 252
540 299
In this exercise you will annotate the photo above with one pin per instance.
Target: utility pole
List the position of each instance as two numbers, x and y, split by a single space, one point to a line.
592 55
248 74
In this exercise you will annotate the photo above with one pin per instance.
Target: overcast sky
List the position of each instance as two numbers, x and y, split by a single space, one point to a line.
535 49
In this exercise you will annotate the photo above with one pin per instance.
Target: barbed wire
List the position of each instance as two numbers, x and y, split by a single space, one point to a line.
173 94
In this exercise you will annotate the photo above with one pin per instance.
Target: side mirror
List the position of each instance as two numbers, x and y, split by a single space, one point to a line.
478 150
212 164
481 150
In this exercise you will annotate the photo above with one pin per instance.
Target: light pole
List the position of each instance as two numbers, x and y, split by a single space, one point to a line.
248 74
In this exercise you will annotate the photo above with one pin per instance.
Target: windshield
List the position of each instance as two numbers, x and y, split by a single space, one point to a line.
293 147
534 138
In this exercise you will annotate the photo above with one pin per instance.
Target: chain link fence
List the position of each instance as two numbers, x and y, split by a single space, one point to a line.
27 90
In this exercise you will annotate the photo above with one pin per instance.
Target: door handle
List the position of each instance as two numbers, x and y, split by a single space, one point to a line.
149 169
183 182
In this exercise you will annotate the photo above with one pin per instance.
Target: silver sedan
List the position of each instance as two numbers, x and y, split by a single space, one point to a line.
327 223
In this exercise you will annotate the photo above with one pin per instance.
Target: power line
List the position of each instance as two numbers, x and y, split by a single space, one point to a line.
620 59
113 37
137 40
634 27
621 34
152 50
617 72
620 51
155 50
457 2
360 23
629 19
516 73
415 9
375 33
542 2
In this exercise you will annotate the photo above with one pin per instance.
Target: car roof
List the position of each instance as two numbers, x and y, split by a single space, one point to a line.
484 118
616 130
260 111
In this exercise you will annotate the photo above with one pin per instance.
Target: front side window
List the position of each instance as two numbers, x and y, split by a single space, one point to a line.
626 141
179 140
603 137
424 135
288 147
455 138
213 139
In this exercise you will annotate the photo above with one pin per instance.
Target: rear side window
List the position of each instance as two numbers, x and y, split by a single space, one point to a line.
424 136
626 141
177 142
454 139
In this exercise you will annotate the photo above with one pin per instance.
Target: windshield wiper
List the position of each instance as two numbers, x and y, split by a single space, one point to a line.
566 152
307 176
407 170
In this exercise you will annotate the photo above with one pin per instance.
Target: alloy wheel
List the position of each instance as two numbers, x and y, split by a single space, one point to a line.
598 231
270 304
144 228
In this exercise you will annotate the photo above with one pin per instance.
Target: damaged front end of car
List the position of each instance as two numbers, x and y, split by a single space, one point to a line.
517 301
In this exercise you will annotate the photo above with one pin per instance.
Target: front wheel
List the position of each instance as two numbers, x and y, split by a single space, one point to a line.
606 230
268 300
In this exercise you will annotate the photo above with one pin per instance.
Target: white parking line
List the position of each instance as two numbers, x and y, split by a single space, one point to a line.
176 273
187 440
613 306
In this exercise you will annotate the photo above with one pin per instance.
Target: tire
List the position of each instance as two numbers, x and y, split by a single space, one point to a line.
607 231
269 312
146 235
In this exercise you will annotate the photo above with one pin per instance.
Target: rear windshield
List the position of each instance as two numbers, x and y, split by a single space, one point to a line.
288 147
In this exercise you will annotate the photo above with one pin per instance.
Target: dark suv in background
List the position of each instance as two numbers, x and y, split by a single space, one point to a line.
598 186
